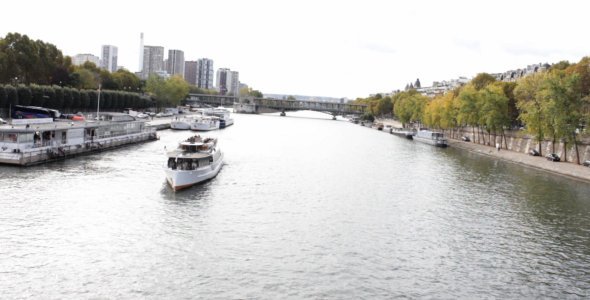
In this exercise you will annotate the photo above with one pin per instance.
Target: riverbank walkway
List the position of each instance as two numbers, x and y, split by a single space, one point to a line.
562 168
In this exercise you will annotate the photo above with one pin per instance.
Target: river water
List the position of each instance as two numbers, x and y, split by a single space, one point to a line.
304 207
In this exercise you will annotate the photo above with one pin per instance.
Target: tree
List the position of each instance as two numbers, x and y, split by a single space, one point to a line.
495 111
24 95
29 61
468 107
564 104
530 101
482 80
409 106
38 97
168 92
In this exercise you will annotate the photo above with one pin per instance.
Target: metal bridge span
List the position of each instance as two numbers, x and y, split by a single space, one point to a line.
258 105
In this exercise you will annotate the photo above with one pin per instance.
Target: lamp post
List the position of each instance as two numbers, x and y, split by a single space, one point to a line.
98 104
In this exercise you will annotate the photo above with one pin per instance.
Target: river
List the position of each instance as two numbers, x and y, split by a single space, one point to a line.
304 207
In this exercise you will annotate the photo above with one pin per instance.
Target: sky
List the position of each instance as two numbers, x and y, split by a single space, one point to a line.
319 48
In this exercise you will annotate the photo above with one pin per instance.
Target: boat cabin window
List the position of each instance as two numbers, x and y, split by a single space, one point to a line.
172 163
8 137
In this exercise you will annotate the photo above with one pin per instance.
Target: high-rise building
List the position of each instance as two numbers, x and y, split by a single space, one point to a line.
80 59
235 83
190 72
227 81
141 52
175 65
205 73
153 60
109 58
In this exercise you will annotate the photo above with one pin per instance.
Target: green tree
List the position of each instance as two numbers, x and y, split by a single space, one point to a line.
38 97
564 104
168 92
530 97
482 80
11 96
67 99
58 103
24 95
495 110
468 107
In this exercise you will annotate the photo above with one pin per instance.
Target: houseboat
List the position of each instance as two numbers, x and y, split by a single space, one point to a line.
430 137
408 134
37 140
195 160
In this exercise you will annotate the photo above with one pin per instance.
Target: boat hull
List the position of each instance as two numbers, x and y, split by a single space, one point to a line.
178 125
182 179
436 143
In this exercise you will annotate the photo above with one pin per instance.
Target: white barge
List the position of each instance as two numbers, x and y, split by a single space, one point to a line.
430 137
33 141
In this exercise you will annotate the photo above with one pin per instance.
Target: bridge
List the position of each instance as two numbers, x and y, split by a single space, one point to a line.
262 105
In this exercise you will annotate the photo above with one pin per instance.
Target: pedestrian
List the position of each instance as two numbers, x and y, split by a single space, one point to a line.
498 146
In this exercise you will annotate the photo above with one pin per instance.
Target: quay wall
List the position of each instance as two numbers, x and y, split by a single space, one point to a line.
519 141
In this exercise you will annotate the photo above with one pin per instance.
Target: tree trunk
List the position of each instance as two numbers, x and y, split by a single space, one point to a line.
564 150
473 130
553 146
540 143
504 135
576 146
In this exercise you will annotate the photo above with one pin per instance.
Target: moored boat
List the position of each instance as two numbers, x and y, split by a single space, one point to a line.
37 140
205 123
195 160
408 134
224 116
430 137
182 123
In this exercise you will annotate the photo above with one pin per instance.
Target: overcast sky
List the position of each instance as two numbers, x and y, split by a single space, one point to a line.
321 48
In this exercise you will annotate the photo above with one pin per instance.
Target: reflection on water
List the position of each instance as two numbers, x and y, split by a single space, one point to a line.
304 207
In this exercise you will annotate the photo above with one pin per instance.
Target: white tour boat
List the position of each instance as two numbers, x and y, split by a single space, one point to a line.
430 137
223 114
205 123
196 159
182 123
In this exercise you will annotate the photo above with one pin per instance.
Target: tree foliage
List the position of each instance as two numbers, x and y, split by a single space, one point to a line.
167 92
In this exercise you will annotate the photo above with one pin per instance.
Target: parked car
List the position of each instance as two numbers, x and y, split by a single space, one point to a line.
142 116
2 121
534 152
552 157
586 163
465 138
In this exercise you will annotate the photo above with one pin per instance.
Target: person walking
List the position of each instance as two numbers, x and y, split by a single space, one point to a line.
498 146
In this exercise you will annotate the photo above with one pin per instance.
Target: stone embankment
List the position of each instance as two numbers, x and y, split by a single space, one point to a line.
517 152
